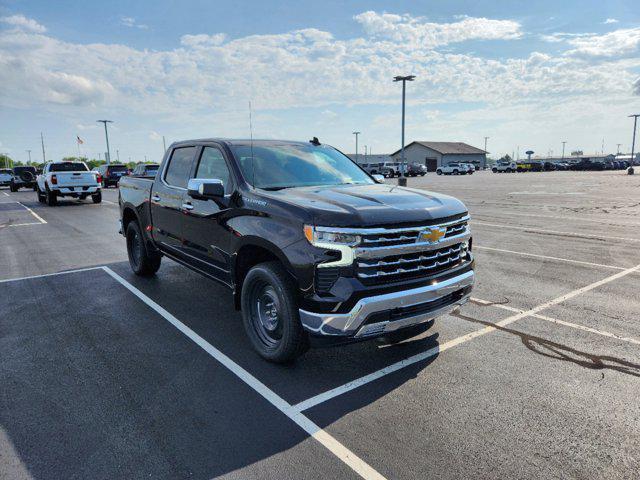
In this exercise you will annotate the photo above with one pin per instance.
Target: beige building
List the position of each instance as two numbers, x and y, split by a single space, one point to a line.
437 154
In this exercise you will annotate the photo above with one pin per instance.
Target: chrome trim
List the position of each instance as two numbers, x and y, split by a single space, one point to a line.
374 231
421 258
349 324
419 268
378 252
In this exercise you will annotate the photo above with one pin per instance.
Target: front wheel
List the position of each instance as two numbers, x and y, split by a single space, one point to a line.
270 313
13 188
97 197
438 172
141 261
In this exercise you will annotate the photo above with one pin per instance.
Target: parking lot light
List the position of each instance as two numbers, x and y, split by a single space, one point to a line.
633 142
402 179
106 135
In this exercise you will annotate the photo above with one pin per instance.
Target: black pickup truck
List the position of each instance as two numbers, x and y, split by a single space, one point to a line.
315 250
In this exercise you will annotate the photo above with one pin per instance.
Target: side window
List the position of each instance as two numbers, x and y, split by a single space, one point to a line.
212 165
179 167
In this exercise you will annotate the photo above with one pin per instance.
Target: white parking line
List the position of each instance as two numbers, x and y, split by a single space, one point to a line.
37 217
556 217
328 395
559 322
558 259
344 454
49 274
556 232
21 224
6 194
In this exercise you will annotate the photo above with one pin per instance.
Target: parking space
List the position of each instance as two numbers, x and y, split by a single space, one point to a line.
537 377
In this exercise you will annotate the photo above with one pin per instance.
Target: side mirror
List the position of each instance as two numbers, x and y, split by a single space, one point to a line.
205 188
378 178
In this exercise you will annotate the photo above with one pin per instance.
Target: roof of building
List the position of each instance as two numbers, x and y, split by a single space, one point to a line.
445 148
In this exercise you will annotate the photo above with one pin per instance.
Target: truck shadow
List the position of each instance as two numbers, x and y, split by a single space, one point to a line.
123 394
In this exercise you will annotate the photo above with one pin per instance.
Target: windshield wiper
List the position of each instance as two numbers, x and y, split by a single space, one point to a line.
272 189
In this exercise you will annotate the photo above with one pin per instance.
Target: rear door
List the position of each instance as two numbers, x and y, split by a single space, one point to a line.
167 195
205 237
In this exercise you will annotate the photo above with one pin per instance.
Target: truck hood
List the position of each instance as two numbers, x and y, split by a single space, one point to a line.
370 205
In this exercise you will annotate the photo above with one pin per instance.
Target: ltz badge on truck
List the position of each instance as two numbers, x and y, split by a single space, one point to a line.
432 234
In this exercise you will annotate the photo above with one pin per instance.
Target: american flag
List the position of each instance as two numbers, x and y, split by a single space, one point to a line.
79 140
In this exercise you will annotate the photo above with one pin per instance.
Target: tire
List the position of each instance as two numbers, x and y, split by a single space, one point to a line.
97 197
51 198
13 188
438 172
455 172
41 196
422 174
270 314
35 188
494 170
142 263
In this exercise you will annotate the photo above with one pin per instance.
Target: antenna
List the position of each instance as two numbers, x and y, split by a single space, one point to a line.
253 168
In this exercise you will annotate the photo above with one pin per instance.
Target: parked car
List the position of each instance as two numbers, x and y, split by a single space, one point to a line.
504 167
372 168
562 166
452 169
145 170
5 177
470 167
586 164
67 179
416 169
112 173
23 177
548 166
313 249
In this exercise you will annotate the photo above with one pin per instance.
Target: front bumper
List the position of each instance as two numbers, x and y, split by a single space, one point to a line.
385 313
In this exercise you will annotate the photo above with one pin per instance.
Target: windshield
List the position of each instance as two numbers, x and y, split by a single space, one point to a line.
68 167
5 171
295 165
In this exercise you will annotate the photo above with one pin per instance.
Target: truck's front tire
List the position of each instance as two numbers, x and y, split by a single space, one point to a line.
141 261
97 197
270 313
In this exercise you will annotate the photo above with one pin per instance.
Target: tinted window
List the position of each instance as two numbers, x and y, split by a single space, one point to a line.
212 165
5 171
118 168
152 169
24 169
179 167
68 167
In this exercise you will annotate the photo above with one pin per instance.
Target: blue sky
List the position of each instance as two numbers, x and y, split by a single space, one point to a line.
526 74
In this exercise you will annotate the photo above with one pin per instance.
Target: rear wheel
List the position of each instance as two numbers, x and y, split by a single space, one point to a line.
51 198
439 172
41 196
141 261
456 172
97 197
13 188
270 313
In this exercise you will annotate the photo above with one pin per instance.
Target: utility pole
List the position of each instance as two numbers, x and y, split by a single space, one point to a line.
44 157
356 134
563 145
633 142
164 144
29 152
402 179
365 154
106 136
118 155
618 148
485 151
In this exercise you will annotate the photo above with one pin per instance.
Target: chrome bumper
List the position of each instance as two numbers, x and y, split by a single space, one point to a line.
352 323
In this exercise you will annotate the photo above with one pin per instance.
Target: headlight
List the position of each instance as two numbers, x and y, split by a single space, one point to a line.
325 237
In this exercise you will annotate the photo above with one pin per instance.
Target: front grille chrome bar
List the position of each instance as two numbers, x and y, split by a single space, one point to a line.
405 249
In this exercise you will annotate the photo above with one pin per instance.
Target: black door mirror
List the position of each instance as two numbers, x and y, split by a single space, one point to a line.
205 188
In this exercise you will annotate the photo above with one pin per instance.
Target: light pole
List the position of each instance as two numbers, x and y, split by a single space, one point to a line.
44 157
402 179
118 155
356 134
563 144
29 152
633 142
106 136
164 144
618 148
485 151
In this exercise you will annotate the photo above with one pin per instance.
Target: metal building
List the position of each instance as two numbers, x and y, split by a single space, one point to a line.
436 154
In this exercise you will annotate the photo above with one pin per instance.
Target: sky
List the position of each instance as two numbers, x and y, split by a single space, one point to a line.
528 75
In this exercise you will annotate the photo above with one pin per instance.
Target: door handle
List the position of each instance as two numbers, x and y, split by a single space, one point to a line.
187 206
155 198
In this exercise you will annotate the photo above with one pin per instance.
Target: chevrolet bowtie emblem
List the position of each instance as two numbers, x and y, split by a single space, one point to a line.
432 234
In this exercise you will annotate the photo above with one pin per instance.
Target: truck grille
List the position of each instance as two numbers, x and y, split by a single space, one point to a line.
406 236
411 265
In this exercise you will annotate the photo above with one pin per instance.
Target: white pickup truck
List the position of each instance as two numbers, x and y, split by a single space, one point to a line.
68 179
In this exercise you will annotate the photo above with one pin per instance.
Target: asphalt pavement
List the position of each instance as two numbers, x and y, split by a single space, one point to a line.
107 375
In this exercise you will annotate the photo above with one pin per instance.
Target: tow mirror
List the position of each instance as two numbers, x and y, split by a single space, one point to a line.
378 178
205 188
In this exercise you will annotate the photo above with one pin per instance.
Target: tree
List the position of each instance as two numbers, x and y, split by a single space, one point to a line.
506 158
6 161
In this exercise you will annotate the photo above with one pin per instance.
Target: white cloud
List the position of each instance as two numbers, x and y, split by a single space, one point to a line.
155 136
563 36
23 23
131 23
614 44
202 40
404 28
610 20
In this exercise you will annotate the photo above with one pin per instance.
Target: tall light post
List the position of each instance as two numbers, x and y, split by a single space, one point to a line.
485 151
618 148
402 179
106 136
118 155
44 157
563 144
356 134
633 142
29 153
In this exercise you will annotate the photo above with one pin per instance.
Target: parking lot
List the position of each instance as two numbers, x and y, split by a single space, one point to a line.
108 375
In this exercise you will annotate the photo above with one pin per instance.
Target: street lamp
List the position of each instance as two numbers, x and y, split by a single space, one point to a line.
402 179
563 144
633 142
356 134
106 136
